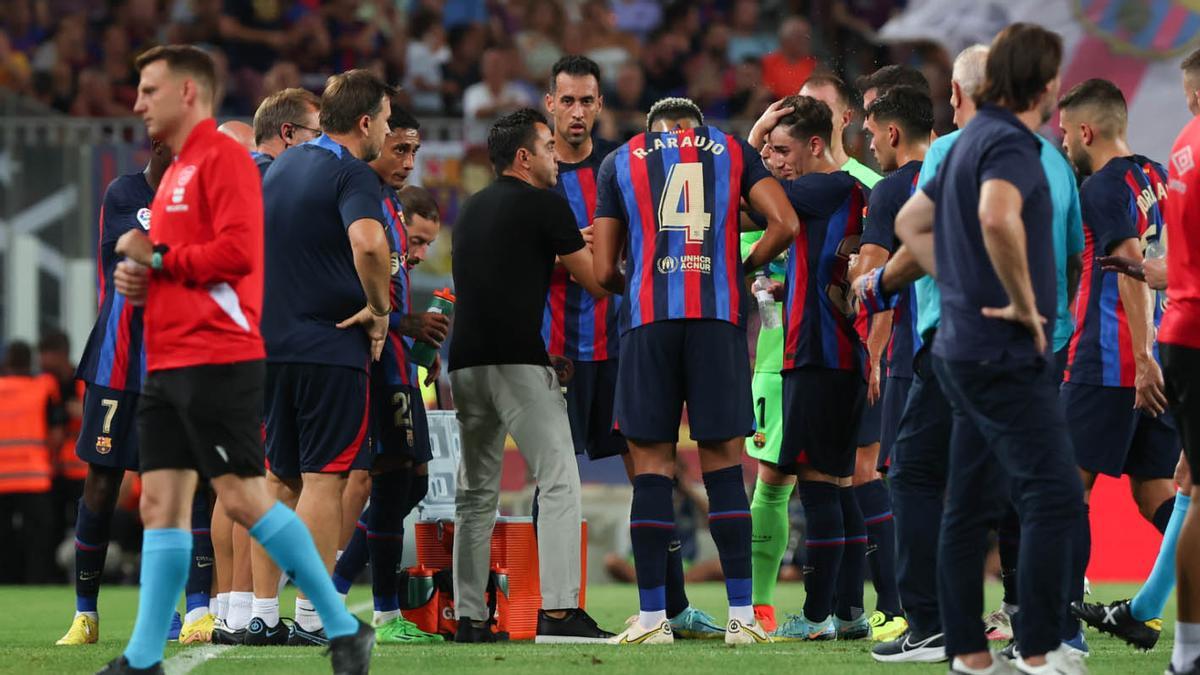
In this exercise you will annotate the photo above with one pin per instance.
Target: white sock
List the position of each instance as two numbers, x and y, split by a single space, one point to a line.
1187 645
652 619
212 605
306 616
195 614
95 616
222 605
381 618
960 667
743 615
266 609
240 607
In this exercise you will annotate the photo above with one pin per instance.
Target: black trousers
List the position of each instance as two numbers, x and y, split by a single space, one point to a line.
27 553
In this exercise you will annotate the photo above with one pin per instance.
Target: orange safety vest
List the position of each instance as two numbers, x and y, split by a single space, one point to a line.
24 457
68 464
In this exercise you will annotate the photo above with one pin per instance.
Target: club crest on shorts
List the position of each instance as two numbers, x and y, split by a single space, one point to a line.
103 444
760 440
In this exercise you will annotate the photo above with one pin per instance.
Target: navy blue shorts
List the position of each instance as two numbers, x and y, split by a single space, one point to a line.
591 393
895 396
109 436
398 423
821 410
316 418
1112 438
870 424
701 362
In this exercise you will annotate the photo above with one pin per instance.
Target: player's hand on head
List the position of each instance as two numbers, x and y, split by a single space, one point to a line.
1150 394
1029 319
136 246
131 280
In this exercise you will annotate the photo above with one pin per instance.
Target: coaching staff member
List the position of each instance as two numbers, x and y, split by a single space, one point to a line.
325 318
504 248
200 275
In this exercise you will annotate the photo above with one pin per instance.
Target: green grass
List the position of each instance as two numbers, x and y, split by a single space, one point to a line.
34 617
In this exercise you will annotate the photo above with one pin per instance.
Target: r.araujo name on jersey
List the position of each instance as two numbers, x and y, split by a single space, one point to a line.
575 324
1123 200
114 356
679 193
395 364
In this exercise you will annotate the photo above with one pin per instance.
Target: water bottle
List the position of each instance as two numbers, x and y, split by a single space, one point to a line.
423 353
1156 249
766 302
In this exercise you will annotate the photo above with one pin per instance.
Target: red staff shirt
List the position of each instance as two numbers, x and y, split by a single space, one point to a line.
1181 319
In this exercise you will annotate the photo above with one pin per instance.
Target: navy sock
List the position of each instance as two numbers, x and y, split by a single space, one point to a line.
853 570
385 536
729 524
1162 515
354 556
1008 539
876 506
200 574
824 542
651 528
91 547
677 599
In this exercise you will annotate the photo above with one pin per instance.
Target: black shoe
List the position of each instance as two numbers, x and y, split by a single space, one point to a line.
1116 619
259 634
120 666
574 628
910 649
352 653
298 637
1010 653
223 635
472 631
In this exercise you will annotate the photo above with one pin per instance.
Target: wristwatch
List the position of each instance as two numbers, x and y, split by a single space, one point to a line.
156 259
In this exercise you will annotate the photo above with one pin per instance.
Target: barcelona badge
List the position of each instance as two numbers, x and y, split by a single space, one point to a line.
760 439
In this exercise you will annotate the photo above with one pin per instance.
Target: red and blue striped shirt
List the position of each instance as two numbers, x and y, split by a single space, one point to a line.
575 324
818 324
394 365
679 193
1123 200
115 356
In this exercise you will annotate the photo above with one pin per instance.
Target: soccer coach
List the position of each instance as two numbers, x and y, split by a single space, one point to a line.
200 276
503 251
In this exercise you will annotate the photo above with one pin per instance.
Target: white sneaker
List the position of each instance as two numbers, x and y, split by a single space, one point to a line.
1061 661
738 633
635 634
1000 666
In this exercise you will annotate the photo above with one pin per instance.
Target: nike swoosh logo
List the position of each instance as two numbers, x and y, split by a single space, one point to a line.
272 633
88 576
204 564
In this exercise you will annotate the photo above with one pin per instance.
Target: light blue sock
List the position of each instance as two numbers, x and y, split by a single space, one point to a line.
166 555
289 544
1152 598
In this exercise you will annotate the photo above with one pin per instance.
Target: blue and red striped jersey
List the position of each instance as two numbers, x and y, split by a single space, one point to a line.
1123 200
115 356
679 192
879 228
818 324
575 324
394 365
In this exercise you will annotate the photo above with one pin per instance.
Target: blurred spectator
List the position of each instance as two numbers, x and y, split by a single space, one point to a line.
496 95
22 26
463 12
68 46
638 17
602 42
746 38
626 104
749 97
461 70
14 67
540 43
662 64
786 69
94 96
141 22
196 22
282 75
117 65
426 52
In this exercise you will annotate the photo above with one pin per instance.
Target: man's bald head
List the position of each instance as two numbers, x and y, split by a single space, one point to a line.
239 131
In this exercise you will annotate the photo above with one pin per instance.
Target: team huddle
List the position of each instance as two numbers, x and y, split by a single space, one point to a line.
959 346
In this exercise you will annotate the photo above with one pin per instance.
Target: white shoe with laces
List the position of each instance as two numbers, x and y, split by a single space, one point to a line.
1061 661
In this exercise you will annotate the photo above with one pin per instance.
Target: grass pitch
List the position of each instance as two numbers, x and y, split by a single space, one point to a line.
34 617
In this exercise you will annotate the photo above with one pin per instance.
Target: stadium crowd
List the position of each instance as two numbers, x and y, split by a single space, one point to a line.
958 345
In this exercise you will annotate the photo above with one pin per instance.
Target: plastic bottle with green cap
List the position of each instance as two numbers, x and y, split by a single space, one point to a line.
423 353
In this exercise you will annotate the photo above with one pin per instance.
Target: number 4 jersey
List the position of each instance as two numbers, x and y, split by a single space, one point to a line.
678 193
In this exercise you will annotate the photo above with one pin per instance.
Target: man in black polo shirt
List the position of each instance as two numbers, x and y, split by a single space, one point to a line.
995 268
504 248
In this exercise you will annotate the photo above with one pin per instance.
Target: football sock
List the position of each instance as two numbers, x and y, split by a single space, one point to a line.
266 609
354 558
769 537
289 544
91 547
826 538
1008 541
1153 595
651 528
385 536
1162 515
306 615
222 606
853 570
677 599
876 506
241 605
1187 646
729 524
200 574
380 618
165 555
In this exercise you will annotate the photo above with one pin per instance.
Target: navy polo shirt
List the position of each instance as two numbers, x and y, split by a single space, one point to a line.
995 145
311 196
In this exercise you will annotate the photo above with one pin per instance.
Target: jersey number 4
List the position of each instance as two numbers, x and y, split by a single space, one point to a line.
682 205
